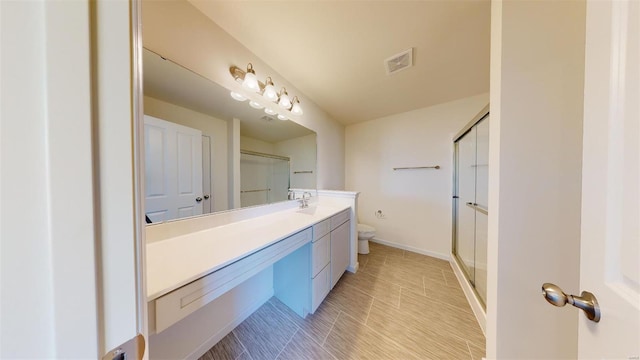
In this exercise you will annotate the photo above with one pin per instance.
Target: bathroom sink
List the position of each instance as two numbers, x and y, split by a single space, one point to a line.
309 211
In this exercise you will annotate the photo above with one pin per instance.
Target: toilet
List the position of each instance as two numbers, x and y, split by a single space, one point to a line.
365 233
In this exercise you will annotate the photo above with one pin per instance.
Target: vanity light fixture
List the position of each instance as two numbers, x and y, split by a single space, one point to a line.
238 96
295 108
255 105
267 89
270 92
283 99
250 80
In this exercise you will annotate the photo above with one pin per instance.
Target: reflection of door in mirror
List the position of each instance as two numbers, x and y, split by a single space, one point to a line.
173 170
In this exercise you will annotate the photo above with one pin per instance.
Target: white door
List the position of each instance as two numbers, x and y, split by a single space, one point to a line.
610 247
173 170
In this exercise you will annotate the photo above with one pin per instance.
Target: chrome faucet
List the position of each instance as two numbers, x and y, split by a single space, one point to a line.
304 200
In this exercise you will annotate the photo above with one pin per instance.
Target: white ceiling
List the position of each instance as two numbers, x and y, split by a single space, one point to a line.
333 51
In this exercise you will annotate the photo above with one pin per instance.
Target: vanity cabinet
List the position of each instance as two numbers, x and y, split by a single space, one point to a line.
290 253
339 236
320 263
329 255
306 265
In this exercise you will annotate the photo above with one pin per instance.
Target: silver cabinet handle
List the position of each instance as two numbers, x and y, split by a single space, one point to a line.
586 301
198 199
206 197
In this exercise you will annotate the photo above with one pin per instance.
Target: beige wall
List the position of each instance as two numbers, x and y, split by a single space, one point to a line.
303 154
537 76
421 137
178 31
215 128
251 144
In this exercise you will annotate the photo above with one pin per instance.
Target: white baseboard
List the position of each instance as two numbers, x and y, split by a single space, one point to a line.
410 248
214 339
476 306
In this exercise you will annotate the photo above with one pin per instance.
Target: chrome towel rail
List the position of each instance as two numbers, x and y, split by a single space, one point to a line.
417 167
478 208
303 172
250 191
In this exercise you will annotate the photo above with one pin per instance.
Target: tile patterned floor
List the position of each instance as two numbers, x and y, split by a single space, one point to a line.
400 305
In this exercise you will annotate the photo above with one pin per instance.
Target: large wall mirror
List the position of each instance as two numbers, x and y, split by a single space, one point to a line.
206 152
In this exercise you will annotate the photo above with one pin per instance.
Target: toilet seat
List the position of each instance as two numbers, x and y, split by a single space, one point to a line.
366 231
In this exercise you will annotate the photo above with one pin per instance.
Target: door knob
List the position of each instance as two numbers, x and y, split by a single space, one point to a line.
206 197
198 199
586 301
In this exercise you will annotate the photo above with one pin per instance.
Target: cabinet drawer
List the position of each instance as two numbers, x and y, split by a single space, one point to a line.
320 288
181 302
339 219
321 229
321 254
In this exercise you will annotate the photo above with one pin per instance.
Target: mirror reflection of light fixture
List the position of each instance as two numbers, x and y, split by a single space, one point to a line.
250 80
283 99
238 96
255 105
270 92
282 117
296 109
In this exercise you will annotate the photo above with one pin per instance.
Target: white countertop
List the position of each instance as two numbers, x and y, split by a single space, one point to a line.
177 261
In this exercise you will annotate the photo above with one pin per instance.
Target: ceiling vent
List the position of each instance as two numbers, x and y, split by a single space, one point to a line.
399 61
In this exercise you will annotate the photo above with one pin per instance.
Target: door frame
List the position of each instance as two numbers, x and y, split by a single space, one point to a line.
138 174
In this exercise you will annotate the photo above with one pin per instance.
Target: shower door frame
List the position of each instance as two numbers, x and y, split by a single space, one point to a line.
266 156
484 113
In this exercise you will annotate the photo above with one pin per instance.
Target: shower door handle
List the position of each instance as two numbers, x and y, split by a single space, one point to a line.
586 301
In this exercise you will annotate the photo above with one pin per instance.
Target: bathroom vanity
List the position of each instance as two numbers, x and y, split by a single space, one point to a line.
193 262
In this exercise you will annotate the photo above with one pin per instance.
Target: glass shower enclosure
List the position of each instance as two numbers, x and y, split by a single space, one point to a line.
264 178
470 204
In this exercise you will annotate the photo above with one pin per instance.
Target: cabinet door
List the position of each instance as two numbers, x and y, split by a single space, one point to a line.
321 255
321 285
339 251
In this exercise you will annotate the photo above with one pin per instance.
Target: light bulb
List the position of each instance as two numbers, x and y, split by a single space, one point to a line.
250 80
284 101
238 96
255 105
270 92
282 117
269 111
296 109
